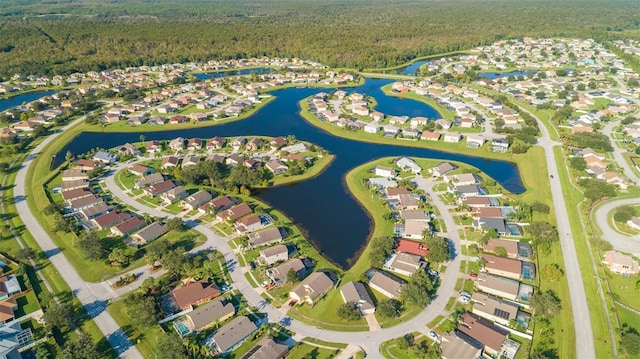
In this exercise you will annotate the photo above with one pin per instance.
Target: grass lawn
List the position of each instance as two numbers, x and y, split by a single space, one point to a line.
318 166
444 112
324 314
27 303
323 343
173 208
225 228
407 314
144 339
307 351
125 179
623 289
628 317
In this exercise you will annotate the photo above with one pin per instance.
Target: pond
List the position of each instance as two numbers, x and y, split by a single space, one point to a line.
18 100
224 73
322 207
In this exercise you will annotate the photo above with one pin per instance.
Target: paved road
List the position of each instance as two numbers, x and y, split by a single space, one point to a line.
581 316
369 341
91 296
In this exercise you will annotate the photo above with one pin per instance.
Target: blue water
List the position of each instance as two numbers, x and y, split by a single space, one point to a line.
224 73
321 207
18 100
496 75
412 69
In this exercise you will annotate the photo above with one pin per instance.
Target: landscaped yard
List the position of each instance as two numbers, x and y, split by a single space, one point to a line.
307 351
324 314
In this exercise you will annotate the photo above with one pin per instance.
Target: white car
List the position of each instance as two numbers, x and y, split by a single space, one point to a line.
433 335
464 299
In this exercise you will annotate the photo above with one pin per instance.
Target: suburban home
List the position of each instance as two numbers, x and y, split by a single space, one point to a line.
395 192
234 213
12 336
177 144
196 200
442 169
174 194
458 345
72 195
250 224
382 182
140 170
129 226
169 162
71 185
510 247
149 233
495 309
499 145
503 287
356 293
88 165
430 135
279 274
267 348
404 263
271 255
475 141
95 211
478 202
415 215
265 237
463 179
253 144
219 204
128 150
312 288
105 157
215 143
408 202
472 190
452 137
194 144
295 148
74 175
153 146
277 167
84 202
413 229
9 286
234 160
408 165
620 263
277 143
109 219
231 335
194 293
148 180
8 307
387 284
416 248
238 143
505 267
488 334
159 188
372 128
190 160
216 311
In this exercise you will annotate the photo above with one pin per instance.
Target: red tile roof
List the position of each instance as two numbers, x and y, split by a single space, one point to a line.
407 246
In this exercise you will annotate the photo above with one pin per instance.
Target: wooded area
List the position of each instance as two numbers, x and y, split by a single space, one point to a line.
59 37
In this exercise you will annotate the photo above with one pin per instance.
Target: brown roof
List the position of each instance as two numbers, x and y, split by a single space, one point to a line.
486 333
502 264
6 308
130 225
138 168
107 220
160 187
236 212
193 293
85 201
490 212
76 193
397 191
510 246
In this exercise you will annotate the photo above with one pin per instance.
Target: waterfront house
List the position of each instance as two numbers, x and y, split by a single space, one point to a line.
384 171
442 169
389 285
265 237
271 255
280 274
312 288
234 213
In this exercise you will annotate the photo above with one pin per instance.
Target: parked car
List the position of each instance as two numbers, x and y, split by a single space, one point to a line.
433 335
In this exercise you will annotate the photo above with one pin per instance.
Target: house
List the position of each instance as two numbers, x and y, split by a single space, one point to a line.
84 202
384 171
464 179
128 150
312 288
231 335
105 157
277 167
95 211
234 160
452 137
74 194
499 145
295 148
416 248
253 144
194 144
109 219
487 223
383 182
9 286
215 143
128 226
404 263
372 128
148 180
430 135
177 144
159 188
219 204
194 293
277 142
408 202
88 165
510 247
505 267
153 146
265 237
8 307
196 200
178 119
387 284
408 165
216 311
250 224
634 223
495 309
271 255
74 175
174 194
190 160
12 337
414 229
472 190
413 215
458 345
475 141
442 169
235 212
140 170
72 185
169 162
620 263
280 274
356 293
478 202
149 233
504 288
267 348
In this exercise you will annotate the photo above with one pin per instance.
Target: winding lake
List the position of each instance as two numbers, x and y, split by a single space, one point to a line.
322 207
20 99
223 73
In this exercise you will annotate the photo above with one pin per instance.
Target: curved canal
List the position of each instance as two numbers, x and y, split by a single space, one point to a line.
321 207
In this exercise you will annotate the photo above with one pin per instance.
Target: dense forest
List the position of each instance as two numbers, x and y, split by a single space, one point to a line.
58 37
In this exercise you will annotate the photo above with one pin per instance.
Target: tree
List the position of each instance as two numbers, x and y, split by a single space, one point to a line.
624 213
389 308
438 249
119 257
142 138
501 252
42 352
68 157
543 232
25 254
518 146
156 250
596 189
292 276
546 304
92 246
419 290
59 315
630 342
578 163
142 309
381 248
38 131
176 224
551 272
540 207
174 261
83 348
52 208
349 311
